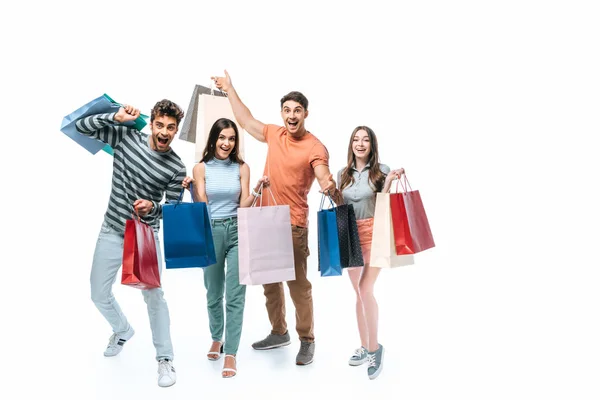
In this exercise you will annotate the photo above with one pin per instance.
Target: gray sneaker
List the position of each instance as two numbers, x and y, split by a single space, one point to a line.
359 357
375 362
306 354
272 341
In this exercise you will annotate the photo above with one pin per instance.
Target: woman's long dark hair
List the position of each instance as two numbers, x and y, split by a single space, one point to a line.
211 143
376 177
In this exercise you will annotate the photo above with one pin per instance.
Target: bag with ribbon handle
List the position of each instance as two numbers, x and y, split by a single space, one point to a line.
383 247
265 248
187 234
140 260
412 233
330 259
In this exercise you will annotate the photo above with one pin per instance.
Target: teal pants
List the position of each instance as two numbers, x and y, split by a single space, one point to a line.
220 281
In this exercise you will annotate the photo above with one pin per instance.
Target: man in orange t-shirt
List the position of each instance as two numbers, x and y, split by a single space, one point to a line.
294 158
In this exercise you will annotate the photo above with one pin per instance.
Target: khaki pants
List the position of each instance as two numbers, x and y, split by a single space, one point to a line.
300 292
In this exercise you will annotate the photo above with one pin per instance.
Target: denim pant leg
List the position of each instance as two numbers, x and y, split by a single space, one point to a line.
158 312
214 282
235 294
108 258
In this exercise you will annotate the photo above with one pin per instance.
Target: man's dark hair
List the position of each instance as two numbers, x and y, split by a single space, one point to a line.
297 97
168 108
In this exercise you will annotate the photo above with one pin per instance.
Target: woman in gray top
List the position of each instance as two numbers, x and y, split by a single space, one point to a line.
359 183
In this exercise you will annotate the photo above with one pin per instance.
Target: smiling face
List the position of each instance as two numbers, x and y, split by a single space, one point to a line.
163 130
225 143
361 145
293 115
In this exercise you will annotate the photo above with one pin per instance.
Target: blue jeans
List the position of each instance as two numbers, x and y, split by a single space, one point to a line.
108 258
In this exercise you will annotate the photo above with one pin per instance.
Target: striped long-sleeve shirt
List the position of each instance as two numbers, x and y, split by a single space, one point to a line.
138 171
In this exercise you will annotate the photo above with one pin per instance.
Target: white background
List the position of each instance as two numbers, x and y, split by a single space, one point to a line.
490 107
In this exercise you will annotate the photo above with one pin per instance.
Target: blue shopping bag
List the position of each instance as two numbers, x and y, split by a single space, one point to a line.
187 235
330 263
100 105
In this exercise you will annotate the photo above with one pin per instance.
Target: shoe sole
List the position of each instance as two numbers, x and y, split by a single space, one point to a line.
357 363
166 386
299 363
272 347
376 374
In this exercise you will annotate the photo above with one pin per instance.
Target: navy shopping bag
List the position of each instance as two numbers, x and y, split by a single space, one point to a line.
100 105
330 263
350 250
187 235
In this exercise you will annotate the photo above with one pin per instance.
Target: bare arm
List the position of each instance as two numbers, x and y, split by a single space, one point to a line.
327 183
199 184
247 198
242 114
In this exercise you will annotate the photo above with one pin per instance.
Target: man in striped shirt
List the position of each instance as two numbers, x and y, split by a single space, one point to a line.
144 169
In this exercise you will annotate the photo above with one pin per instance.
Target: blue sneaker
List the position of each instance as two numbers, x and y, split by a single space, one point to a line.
375 362
359 357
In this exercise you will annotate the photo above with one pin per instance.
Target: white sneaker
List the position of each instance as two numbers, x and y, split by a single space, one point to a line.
166 373
116 342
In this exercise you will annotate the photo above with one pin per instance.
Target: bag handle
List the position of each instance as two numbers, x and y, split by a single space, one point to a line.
183 191
405 184
260 195
135 215
323 200
268 164
212 89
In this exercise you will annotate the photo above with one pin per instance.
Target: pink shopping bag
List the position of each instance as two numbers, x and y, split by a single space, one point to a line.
265 249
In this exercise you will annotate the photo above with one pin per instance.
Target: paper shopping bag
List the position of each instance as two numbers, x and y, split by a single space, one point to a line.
412 233
140 262
339 244
265 247
350 250
383 249
206 106
100 105
330 260
187 235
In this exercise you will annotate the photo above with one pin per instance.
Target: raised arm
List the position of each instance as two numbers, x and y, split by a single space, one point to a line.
242 114
106 126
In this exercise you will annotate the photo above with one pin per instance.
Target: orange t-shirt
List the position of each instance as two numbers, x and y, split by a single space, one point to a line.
290 167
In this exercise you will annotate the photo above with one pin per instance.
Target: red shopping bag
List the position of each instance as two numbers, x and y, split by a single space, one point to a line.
412 233
140 262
